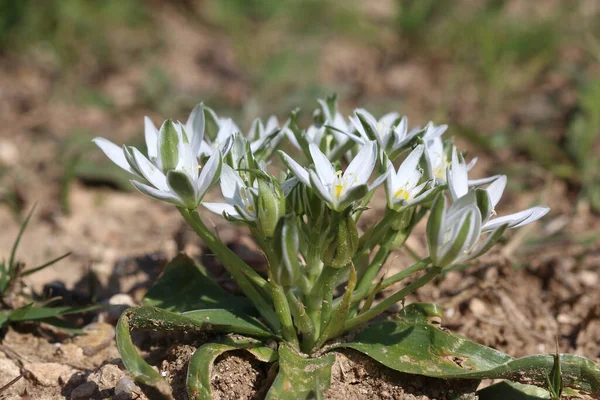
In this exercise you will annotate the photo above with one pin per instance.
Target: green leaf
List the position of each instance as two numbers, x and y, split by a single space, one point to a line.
195 290
231 322
201 364
139 369
156 319
30 313
416 347
299 377
513 391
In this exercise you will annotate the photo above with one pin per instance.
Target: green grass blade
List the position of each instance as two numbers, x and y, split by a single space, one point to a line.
11 261
49 263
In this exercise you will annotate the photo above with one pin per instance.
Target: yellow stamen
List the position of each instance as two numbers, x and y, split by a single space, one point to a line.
402 193
250 208
338 190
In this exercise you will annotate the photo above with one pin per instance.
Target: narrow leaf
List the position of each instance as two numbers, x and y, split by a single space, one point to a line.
195 290
300 378
139 369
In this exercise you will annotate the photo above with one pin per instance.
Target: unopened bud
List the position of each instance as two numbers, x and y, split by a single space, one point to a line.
286 243
270 206
341 244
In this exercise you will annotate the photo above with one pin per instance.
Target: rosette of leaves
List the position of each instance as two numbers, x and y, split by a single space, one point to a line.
411 342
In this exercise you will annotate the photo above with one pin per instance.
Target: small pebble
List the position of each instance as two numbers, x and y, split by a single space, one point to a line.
125 386
84 391
119 302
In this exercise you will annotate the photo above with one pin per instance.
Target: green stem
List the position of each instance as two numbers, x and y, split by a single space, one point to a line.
282 308
375 266
237 268
364 203
373 236
405 273
301 319
329 282
251 274
390 301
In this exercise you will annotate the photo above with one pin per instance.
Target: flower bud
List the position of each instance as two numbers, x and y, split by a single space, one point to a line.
270 206
168 146
341 243
286 243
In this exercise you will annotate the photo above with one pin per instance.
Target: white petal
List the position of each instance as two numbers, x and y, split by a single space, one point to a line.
322 165
409 165
205 149
457 177
230 182
361 167
483 181
151 135
325 109
220 208
114 153
207 175
472 163
150 171
169 197
379 180
517 219
317 185
496 189
288 185
359 128
296 168
195 127
272 124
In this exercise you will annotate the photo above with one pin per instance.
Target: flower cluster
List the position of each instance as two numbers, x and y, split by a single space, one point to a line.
305 218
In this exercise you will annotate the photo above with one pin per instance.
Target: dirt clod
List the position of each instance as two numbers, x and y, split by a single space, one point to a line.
50 374
84 391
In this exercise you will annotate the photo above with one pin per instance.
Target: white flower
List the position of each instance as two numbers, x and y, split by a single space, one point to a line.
453 232
240 200
266 135
458 185
335 121
331 135
402 187
338 189
369 128
226 128
436 159
171 173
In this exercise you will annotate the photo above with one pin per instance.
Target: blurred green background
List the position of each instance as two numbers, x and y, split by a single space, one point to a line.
518 81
